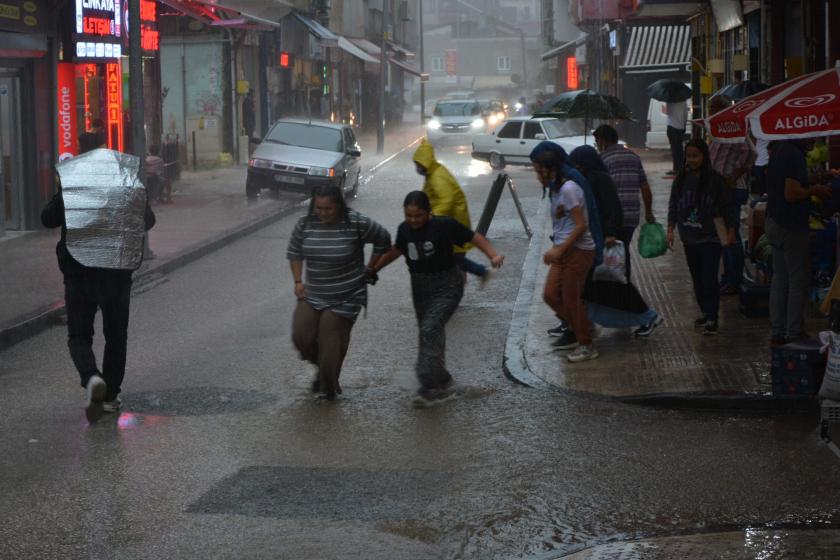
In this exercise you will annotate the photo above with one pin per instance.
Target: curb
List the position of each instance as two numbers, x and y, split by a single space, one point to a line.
516 368
48 316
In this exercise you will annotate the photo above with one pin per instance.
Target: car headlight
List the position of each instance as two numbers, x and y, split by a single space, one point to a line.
433 124
493 119
322 171
517 105
260 163
478 123
501 116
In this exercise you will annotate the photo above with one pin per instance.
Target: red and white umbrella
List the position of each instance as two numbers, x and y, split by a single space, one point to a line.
805 107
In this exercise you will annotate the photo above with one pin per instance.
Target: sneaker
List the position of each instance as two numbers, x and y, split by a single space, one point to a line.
559 330
646 330
488 275
112 406
700 322
567 342
429 397
583 353
710 328
96 389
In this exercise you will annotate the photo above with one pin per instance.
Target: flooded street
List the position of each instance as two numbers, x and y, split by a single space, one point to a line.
221 452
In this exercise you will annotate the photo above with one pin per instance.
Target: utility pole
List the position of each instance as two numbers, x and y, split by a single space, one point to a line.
135 70
383 60
422 65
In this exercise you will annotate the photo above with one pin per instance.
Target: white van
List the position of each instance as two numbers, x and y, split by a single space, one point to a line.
657 126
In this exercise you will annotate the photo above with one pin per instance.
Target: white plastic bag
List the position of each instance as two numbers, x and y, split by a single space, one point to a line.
612 268
830 388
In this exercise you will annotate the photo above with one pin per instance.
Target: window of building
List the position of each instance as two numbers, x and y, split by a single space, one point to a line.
437 64
503 64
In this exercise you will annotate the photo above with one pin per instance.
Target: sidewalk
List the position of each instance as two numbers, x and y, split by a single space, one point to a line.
675 364
209 210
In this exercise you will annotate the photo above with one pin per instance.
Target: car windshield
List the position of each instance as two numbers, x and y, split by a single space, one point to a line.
457 109
558 128
306 136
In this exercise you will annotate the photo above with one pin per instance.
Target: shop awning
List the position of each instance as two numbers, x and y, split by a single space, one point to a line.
236 14
327 37
370 48
400 50
657 48
564 48
408 68
491 82
348 47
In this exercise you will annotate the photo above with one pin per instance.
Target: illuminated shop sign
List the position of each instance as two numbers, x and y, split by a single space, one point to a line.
149 34
113 102
68 128
571 73
99 29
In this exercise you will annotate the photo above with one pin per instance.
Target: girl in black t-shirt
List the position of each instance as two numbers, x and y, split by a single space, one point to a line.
437 285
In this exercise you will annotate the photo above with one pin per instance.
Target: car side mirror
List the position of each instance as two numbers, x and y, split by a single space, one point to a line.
539 136
354 152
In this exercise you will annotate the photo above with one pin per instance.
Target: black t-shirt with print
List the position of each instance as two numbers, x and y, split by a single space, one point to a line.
429 249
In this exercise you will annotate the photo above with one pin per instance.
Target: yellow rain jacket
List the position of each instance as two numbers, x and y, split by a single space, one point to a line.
444 193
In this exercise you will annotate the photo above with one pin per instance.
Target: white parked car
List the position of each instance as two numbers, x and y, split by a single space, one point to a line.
513 140
456 120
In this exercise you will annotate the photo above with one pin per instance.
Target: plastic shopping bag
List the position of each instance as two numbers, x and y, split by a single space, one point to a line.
830 388
612 268
652 241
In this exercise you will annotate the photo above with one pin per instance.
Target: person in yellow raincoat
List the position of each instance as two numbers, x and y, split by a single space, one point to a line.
447 199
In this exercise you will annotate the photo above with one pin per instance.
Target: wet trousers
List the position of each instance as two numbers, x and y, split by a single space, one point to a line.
564 289
322 338
675 139
791 279
436 297
703 263
84 294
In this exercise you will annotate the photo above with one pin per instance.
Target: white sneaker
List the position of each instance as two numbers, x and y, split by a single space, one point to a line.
96 389
112 406
582 354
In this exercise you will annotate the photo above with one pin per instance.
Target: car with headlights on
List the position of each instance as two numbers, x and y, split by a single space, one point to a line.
455 120
297 155
494 111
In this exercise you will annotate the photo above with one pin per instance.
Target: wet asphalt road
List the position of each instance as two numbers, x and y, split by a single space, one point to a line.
222 453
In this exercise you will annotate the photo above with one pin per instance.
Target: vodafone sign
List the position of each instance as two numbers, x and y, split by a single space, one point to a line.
68 127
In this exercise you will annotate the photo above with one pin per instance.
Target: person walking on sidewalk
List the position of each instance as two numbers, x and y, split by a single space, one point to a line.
99 236
733 162
330 240
428 243
611 304
447 199
574 249
697 209
628 174
787 229
677 113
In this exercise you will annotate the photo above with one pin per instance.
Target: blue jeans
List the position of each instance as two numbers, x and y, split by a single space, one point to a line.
616 318
465 264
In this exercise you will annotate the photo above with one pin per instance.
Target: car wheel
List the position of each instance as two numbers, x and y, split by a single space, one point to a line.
251 190
497 161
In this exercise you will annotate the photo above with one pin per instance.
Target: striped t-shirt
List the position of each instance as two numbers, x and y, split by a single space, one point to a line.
335 260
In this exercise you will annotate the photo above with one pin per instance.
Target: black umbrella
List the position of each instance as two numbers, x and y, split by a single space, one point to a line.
584 104
669 91
738 91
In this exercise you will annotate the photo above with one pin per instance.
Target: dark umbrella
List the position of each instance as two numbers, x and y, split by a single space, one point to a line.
737 92
669 91
584 104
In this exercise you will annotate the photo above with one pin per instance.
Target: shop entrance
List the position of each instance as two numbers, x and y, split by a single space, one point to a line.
11 161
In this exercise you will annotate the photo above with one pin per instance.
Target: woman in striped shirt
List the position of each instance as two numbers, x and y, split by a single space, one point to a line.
331 240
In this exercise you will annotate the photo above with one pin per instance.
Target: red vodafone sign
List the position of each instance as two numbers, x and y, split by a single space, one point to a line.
68 127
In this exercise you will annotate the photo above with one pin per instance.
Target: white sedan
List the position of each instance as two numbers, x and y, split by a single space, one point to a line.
512 141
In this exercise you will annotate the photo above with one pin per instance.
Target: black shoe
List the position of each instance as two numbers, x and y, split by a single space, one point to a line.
559 330
646 330
568 341
710 328
700 322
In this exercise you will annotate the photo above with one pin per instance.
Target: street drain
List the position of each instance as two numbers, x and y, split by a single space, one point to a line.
195 401
324 493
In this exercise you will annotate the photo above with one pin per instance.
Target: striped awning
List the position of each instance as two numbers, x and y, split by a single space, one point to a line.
654 48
